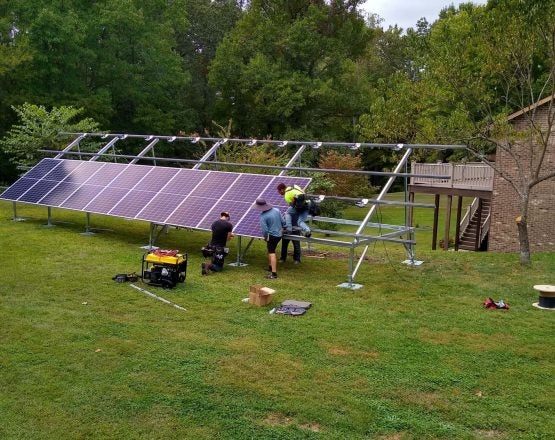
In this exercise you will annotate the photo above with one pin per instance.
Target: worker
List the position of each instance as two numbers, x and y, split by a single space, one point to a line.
271 226
296 245
221 233
297 205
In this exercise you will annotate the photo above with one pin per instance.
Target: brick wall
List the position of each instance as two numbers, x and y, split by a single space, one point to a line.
503 234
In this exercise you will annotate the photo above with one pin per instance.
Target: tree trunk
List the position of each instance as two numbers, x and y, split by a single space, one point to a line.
524 242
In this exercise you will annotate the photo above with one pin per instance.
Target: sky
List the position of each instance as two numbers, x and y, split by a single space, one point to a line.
405 13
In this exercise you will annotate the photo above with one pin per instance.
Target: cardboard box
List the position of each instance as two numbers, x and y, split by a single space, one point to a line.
267 291
260 296
255 288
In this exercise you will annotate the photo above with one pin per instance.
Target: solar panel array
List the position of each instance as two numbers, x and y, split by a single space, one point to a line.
163 195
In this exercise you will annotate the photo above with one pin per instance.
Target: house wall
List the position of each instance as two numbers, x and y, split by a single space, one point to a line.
503 234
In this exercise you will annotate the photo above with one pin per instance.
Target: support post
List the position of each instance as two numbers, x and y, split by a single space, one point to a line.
88 230
364 223
436 219
447 222
458 226
49 218
349 284
151 238
239 262
15 217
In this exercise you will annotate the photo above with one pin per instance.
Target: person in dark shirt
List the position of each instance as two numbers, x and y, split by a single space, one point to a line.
221 233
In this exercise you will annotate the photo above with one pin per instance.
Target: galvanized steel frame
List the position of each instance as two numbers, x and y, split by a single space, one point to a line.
356 239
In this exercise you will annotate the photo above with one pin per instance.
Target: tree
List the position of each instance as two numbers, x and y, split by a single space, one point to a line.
484 63
348 185
116 59
39 129
208 23
523 41
233 152
285 69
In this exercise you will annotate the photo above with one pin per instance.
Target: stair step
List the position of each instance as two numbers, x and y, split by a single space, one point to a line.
467 243
466 247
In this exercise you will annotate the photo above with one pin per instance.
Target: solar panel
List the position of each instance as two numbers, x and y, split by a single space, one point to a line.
63 191
61 171
163 195
42 168
83 172
19 188
38 191
161 206
82 197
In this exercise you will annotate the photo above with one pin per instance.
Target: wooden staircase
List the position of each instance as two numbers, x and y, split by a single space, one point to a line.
471 229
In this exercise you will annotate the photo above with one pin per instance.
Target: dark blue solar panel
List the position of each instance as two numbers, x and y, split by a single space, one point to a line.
38 191
249 225
18 188
236 211
80 198
60 172
42 168
181 197
106 174
57 196
106 200
247 188
129 177
190 212
160 207
157 179
215 184
273 197
84 172
184 182
132 203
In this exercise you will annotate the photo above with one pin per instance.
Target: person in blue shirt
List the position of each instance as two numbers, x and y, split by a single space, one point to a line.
271 225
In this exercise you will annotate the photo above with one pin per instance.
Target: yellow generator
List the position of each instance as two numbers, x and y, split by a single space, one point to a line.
164 268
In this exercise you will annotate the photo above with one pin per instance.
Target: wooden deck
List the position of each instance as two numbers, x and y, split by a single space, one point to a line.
474 180
469 176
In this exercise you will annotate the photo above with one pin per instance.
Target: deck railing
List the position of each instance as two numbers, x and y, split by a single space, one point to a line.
463 176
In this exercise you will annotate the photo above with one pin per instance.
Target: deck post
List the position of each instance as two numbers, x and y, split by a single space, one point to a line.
436 216
447 222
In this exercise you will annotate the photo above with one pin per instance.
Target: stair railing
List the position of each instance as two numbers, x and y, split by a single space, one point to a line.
468 215
484 229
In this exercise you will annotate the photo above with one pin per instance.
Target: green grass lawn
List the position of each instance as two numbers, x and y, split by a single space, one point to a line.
412 354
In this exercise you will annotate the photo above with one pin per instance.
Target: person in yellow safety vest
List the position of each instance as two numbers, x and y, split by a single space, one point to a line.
298 205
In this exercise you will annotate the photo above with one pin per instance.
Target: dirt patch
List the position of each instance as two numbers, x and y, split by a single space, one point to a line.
335 255
278 419
340 351
314 427
393 436
482 433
